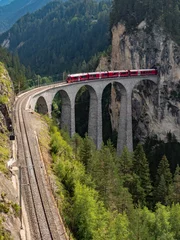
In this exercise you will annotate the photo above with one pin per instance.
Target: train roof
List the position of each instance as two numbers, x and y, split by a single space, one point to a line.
115 71
77 74
97 72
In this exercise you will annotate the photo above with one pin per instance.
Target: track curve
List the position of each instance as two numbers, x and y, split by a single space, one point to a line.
44 220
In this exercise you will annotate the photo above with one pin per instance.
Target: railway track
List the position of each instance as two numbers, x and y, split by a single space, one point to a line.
43 216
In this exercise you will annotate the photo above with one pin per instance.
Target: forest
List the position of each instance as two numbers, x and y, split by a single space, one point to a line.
23 78
101 195
61 37
105 196
165 13
12 10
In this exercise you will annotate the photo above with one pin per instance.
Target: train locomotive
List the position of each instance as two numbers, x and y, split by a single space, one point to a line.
110 74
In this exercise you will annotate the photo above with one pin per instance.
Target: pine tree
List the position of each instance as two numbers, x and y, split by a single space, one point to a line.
125 162
141 169
86 150
176 185
164 169
161 191
163 188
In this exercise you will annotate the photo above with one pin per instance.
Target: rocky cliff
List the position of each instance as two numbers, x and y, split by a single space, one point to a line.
9 209
156 109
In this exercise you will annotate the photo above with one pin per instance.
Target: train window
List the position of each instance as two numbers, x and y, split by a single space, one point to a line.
84 76
93 75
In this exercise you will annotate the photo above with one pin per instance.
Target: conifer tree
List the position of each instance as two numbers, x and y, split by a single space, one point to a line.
86 150
141 169
125 162
176 185
164 169
161 191
163 188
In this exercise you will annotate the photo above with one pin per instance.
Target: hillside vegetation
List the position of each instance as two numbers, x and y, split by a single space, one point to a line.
5 2
164 13
103 196
10 13
62 36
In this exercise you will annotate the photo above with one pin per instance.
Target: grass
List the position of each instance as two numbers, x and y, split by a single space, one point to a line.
4 152
6 85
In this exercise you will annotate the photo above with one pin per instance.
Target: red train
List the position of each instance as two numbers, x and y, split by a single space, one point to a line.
109 74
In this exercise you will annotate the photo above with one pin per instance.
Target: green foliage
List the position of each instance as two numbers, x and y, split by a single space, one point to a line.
69 35
163 189
84 212
162 223
89 213
126 162
97 188
4 234
58 145
4 207
13 10
141 169
16 70
3 99
176 185
86 149
16 208
155 149
162 12
142 224
4 152
175 220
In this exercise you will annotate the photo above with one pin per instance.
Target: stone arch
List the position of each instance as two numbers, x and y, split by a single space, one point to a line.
41 106
92 116
124 137
107 114
65 115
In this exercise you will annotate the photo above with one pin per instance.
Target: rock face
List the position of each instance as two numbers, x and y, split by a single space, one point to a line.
9 224
156 109
6 99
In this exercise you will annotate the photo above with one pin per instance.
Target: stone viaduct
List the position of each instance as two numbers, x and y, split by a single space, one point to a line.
68 94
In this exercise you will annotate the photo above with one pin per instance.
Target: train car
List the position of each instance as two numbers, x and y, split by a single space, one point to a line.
134 72
145 72
77 77
121 73
110 74
94 75
113 74
104 74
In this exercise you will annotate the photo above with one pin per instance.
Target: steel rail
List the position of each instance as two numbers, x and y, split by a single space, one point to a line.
40 213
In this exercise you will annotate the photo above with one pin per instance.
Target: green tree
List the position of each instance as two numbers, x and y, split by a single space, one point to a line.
142 223
86 149
162 229
163 188
141 169
90 215
176 185
175 220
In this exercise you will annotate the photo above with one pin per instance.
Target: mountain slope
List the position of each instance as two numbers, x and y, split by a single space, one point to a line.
60 36
5 2
10 13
